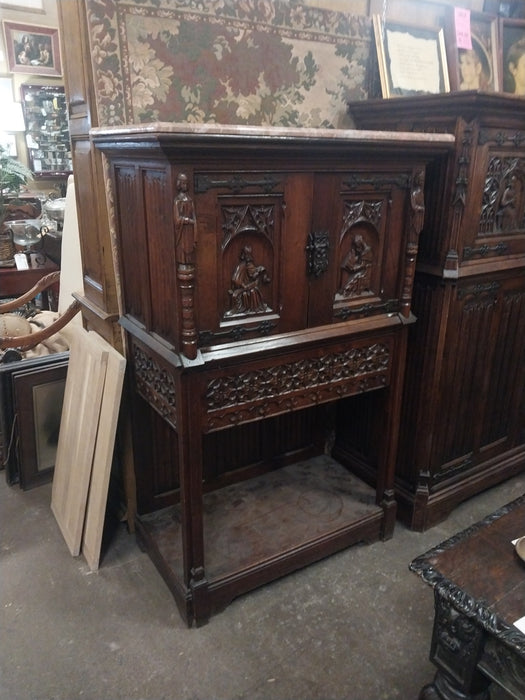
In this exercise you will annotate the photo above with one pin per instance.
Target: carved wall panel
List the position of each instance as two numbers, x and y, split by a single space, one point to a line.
248 237
503 207
360 287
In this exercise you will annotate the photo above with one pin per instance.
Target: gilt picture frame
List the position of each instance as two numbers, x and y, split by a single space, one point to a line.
412 59
512 55
477 68
32 49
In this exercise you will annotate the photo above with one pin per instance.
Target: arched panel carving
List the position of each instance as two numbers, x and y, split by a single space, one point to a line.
247 263
359 266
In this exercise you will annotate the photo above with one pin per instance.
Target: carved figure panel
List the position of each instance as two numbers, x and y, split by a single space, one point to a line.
503 205
246 294
359 249
246 259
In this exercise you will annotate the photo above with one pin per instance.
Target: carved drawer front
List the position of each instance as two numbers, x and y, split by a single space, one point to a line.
282 251
295 381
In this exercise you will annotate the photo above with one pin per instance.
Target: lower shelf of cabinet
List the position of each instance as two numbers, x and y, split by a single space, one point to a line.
258 530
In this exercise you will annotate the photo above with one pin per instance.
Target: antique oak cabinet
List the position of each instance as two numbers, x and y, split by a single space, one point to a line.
463 422
266 278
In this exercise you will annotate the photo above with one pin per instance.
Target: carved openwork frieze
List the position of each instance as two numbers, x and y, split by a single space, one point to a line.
155 384
280 381
503 204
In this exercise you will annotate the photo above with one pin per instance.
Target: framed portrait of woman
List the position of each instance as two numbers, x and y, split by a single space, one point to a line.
475 68
512 41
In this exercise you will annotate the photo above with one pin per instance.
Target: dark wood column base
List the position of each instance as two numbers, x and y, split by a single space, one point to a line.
443 689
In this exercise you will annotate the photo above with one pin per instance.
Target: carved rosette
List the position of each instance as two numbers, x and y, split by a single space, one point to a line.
276 389
155 384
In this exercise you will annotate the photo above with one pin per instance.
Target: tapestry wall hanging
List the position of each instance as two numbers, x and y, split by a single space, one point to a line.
257 62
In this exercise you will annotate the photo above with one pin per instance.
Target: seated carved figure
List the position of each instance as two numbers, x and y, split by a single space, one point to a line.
246 297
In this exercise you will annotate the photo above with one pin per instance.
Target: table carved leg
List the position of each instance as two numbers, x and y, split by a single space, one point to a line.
442 688
457 644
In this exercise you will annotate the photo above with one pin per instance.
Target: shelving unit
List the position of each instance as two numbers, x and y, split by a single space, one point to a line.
47 131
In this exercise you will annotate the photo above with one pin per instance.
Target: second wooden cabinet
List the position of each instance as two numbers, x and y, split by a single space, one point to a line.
463 424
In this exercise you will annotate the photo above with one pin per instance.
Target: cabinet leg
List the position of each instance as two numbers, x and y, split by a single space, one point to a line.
199 596
442 688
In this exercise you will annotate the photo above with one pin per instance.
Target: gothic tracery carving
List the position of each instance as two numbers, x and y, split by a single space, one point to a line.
503 204
236 389
247 218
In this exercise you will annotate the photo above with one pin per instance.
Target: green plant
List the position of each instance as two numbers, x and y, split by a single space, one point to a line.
13 175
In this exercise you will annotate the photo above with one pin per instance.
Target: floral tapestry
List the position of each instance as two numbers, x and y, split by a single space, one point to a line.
257 62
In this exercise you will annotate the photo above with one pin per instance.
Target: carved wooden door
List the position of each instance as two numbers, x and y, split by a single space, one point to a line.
279 252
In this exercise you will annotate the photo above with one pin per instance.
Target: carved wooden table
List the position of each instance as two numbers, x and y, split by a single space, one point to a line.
266 285
479 589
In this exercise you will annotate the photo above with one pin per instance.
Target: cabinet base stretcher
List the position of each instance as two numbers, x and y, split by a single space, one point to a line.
264 528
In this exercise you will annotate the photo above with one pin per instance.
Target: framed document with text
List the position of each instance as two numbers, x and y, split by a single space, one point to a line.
412 60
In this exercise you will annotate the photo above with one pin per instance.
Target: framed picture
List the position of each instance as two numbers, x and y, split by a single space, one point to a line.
512 41
412 59
32 49
36 6
476 68
37 397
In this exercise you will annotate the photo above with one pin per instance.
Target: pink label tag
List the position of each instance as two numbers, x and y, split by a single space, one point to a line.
462 24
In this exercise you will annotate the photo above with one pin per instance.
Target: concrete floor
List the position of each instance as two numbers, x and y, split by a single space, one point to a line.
356 626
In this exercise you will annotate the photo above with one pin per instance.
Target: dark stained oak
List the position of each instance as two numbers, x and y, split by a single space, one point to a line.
479 591
463 426
266 282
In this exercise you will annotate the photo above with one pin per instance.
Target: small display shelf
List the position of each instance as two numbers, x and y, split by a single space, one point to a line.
47 130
